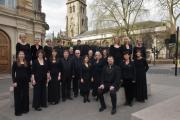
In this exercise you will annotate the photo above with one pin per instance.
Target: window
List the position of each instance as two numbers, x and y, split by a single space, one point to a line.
2 2
82 22
8 3
70 9
73 8
36 5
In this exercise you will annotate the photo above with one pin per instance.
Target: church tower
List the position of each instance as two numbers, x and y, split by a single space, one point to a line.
76 19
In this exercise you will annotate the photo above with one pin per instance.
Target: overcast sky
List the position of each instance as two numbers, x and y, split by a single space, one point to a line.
56 13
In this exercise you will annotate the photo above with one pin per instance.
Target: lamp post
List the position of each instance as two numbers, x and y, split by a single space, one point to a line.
177 45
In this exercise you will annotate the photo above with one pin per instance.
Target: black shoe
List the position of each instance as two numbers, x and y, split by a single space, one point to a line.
113 111
88 100
84 100
38 109
69 98
63 99
102 109
19 114
25 112
75 95
130 104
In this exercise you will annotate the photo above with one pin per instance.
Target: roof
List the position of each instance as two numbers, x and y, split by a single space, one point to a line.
137 26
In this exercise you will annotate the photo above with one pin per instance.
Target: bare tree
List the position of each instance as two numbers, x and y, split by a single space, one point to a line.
122 13
173 9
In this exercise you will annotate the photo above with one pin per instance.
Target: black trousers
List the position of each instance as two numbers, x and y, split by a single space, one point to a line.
106 89
96 84
66 87
21 98
76 81
129 88
53 91
40 95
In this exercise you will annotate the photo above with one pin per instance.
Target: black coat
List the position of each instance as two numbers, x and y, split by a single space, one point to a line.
34 51
142 49
124 49
48 51
59 50
111 75
26 49
77 66
128 71
66 68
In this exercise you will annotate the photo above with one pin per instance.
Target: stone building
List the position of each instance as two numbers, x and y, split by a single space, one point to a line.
16 17
76 19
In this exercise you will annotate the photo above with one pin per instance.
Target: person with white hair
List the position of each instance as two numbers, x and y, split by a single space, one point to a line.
34 48
97 70
24 46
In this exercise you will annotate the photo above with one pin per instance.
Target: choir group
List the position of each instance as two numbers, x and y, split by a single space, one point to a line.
56 72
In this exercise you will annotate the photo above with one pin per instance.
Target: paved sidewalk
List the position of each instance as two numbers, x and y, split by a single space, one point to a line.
164 85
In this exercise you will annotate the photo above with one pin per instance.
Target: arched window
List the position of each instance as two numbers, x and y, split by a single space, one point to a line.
82 22
70 9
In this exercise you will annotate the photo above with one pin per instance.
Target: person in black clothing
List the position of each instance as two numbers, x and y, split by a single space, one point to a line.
105 55
48 49
129 78
59 49
110 81
25 47
40 77
91 57
78 46
55 77
86 77
141 84
97 70
77 65
35 48
71 53
116 51
139 46
21 77
66 76
127 46
84 50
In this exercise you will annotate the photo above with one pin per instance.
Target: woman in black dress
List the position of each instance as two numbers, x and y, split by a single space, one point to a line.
141 84
48 49
86 77
25 47
55 76
139 46
21 78
129 78
39 80
127 46
97 70
116 51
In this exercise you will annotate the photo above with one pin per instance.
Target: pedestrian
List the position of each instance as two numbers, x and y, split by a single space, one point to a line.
97 70
129 78
25 47
110 81
21 73
116 51
77 67
35 48
66 75
40 76
141 82
86 78
55 77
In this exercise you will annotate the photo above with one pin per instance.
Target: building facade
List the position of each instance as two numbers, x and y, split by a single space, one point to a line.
76 19
16 17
